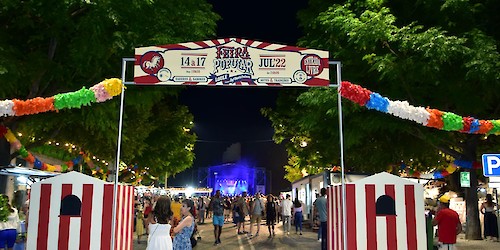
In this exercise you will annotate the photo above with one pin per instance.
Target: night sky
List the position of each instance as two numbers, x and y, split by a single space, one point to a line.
227 115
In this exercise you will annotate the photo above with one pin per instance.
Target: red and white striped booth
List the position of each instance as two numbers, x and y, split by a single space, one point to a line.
74 211
383 211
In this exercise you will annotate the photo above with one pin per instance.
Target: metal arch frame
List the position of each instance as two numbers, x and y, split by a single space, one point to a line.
338 66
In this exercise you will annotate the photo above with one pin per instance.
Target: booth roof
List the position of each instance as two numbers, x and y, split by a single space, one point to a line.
21 171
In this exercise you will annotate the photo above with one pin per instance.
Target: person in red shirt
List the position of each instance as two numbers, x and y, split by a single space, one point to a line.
448 223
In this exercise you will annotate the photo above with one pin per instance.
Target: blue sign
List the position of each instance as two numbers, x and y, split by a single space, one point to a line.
491 165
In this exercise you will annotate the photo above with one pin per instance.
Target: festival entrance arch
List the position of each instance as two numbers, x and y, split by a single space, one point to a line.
231 62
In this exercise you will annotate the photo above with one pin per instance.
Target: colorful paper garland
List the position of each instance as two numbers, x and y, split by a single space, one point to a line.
100 92
425 116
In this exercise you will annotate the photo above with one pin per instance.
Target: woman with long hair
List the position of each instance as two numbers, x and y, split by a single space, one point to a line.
159 227
297 209
271 214
8 227
490 219
184 230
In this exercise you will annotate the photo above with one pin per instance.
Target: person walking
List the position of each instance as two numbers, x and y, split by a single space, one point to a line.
256 215
286 206
271 212
201 210
448 223
139 226
159 225
322 214
217 207
242 211
184 230
9 227
297 209
490 219
175 206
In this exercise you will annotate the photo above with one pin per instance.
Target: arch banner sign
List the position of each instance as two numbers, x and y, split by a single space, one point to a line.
232 62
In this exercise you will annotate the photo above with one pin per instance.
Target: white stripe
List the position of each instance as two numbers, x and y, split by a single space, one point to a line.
34 209
361 234
55 208
381 221
274 47
339 228
401 228
96 220
420 217
75 222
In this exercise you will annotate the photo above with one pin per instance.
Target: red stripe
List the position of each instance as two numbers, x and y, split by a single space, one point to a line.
351 216
86 219
316 82
43 217
144 80
341 234
392 238
173 46
263 45
371 220
137 60
411 221
238 40
249 42
336 227
329 221
121 201
291 48
131 212
202 44
216 42
64 221
107 211
338 217
226 40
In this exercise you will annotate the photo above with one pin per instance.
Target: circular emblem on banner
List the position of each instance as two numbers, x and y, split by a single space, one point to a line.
152 62
300 76
311 64
164 75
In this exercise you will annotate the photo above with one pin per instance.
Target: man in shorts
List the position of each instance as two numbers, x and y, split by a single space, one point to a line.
217 206
243 211
448 223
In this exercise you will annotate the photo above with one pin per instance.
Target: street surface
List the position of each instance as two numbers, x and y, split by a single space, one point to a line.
230 240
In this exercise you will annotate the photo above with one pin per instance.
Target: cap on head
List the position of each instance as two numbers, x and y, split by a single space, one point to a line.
444 198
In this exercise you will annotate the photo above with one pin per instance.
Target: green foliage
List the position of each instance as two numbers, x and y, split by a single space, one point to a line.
50 47
422 52
4 208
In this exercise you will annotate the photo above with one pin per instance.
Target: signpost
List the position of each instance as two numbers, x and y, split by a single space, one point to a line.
491 165
465 179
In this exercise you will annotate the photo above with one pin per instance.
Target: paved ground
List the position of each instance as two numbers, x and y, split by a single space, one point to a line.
230 240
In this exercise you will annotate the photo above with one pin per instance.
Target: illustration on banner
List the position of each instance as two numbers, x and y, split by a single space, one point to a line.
231 61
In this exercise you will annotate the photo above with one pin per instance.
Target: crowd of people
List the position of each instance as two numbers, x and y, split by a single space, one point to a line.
162 217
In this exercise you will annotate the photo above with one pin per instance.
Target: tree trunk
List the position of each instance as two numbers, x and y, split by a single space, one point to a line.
473 229
4 162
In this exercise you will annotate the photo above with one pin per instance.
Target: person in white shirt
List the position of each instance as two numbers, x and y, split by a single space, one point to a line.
286 205
9 227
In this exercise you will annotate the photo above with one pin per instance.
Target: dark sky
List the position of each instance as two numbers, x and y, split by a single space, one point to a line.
226 115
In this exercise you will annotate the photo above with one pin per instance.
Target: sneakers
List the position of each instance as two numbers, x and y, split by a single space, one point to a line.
319 240
288 232
300 232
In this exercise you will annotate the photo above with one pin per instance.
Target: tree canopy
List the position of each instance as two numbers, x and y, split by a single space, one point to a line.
438 54
50 47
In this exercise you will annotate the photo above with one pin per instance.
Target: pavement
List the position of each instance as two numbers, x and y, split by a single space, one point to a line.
463 244
230 239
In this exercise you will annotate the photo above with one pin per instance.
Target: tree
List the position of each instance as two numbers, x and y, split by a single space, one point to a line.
50 47
442 55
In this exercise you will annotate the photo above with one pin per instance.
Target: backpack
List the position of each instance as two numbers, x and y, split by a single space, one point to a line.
193 238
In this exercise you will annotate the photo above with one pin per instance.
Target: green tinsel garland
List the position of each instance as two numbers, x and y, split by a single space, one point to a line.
4 208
